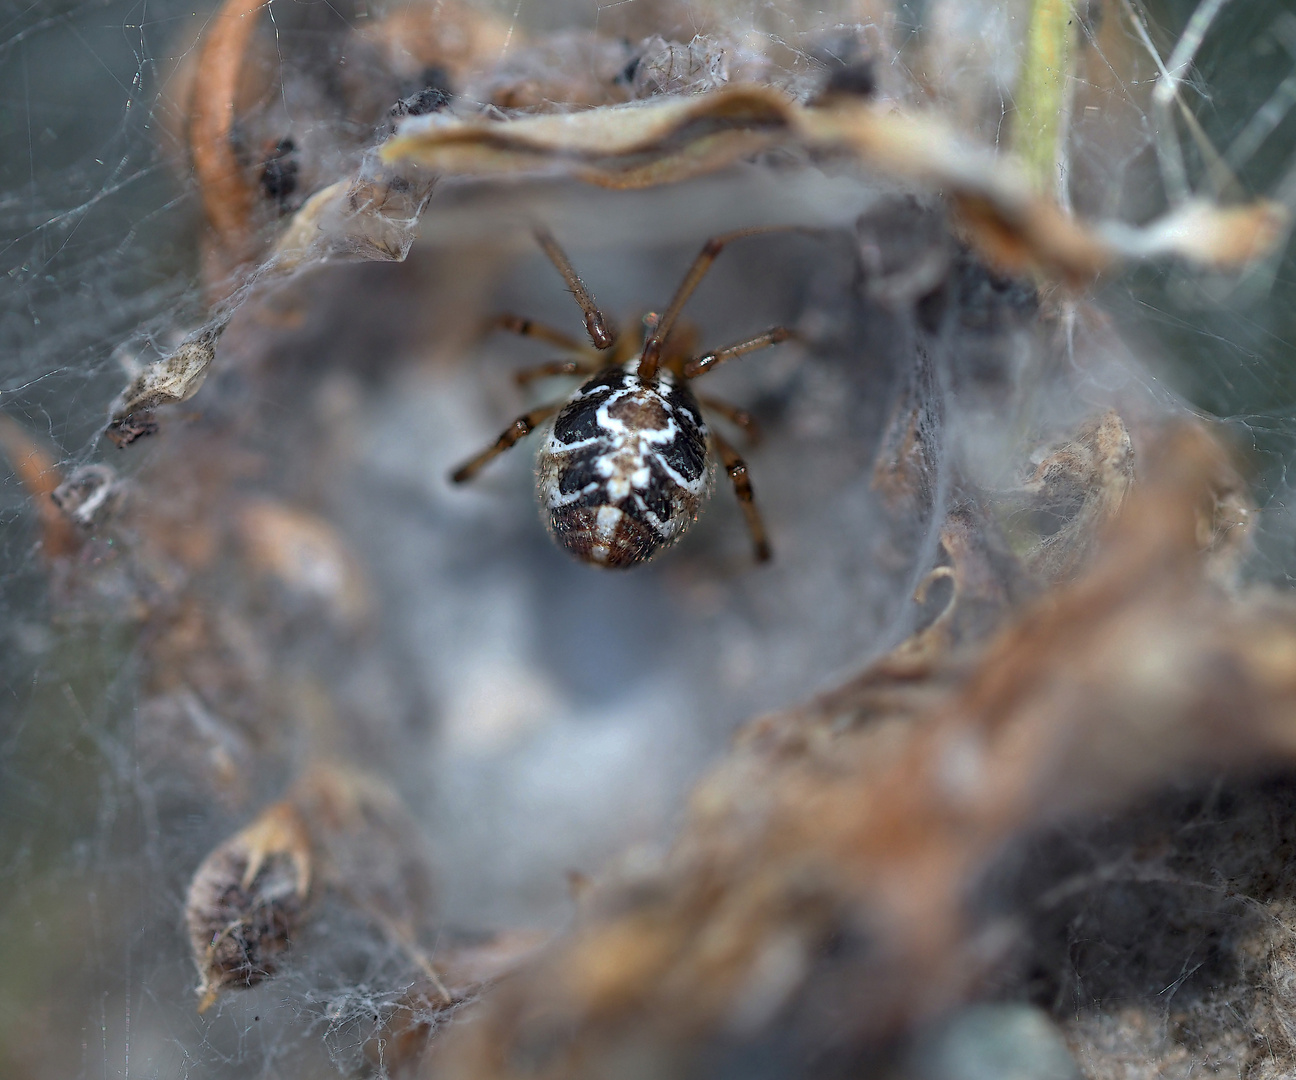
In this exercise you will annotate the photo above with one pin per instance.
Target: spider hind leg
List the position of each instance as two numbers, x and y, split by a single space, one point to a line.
737 470
516 431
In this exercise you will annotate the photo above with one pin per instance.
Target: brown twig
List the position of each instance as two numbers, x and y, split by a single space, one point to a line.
227 194
39 475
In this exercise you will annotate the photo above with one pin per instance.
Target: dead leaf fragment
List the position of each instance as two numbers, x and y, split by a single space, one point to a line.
665 141
245 901
168 381
336 830
366 217
823 882
1075 491
89 495
306 555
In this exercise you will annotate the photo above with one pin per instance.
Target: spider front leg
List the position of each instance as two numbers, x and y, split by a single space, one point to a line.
651 357
519 429
699 365
737 470
599 330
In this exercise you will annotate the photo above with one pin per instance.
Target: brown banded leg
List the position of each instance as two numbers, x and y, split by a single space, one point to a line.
736 416
519 429
700 365
595 325
737 470
710 250
515 324
556 367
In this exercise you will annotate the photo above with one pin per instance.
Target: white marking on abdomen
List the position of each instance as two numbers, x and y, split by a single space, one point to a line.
605 525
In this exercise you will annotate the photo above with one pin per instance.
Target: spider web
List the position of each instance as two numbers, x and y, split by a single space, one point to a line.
99 257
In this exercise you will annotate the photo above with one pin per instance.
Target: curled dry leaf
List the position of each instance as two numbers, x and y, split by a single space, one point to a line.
643 144
337 830
168 381
1207 234
634 145
368 217
246 899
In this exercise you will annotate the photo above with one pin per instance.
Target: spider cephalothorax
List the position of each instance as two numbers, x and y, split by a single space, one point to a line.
626 465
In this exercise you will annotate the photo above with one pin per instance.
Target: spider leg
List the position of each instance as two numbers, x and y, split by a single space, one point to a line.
736 416
651 359
699 365
737 470
515 324
519 429
595 325
556 367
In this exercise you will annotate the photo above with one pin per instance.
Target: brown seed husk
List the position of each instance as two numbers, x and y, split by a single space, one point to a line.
245 902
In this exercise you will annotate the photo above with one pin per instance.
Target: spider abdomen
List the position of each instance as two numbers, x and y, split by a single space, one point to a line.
624 469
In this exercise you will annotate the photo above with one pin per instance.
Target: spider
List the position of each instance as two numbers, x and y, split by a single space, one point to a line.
626 465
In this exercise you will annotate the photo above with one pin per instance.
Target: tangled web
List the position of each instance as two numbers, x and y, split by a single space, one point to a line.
526 718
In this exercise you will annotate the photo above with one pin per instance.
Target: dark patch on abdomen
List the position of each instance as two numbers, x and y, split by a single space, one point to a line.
657 496
579 420
612 378
578 473
686 453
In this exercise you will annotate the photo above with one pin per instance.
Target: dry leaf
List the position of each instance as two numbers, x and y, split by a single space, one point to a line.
245 902
665 141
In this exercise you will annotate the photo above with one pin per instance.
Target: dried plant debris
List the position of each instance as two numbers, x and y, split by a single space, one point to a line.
268 125
1074 492
836 899
622 112
818 899
41 478
337 830
90 495
666 141
174 378
245 902
370 217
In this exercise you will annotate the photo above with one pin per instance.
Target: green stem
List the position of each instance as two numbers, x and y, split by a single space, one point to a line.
1043 91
